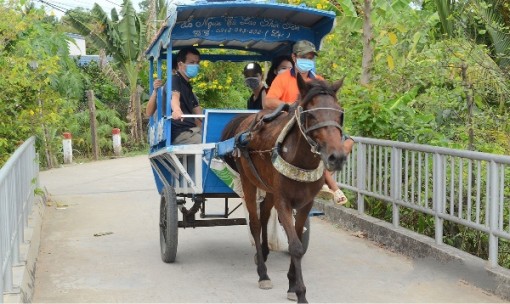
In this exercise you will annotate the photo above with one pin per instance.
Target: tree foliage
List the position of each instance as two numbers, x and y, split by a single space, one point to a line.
123 37
39 82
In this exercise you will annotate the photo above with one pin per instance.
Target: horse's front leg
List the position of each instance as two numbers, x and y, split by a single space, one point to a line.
297 289
255 229
265 212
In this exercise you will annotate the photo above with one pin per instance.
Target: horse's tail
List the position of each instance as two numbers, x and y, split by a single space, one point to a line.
231 130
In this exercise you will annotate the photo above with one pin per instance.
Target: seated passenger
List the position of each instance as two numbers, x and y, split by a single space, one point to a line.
253 80
184 101
279 65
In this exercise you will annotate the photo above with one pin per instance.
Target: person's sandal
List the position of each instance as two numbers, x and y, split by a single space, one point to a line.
340 197
325 194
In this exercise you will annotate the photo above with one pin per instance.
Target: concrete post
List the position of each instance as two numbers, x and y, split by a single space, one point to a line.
68 148
117 147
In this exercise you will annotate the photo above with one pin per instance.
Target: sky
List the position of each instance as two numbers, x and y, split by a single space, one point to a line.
57 7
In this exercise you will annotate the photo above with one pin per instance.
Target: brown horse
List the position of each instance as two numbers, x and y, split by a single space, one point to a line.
286 157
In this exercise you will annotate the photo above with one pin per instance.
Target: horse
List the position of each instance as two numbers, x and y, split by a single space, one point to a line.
286 157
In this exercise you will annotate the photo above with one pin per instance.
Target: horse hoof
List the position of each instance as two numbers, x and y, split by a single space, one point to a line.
292 296
265 284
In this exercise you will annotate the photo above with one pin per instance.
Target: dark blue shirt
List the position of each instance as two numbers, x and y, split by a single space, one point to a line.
188 101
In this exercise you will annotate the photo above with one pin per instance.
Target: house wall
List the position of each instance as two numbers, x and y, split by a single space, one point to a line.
78 47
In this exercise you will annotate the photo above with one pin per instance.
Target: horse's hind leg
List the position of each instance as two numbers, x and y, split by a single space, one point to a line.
296 284
255 229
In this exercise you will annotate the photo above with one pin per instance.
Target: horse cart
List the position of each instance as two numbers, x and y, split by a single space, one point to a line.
188 175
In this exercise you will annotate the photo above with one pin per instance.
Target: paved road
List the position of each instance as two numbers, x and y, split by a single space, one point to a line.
117 200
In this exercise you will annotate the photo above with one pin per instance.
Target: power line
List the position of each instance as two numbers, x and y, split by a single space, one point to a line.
113 3
60 5
58 8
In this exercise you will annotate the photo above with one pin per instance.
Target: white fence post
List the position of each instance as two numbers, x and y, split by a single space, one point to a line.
361 165
493 201
67 145
396 183
117 146
438 180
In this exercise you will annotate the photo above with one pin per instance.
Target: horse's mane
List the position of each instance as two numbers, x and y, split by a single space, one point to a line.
316 87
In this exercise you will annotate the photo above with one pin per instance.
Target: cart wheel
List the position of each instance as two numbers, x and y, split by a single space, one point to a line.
305 238
168 221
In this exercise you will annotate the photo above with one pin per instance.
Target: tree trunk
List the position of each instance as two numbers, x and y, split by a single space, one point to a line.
368 50
133 129
151 20
93 125
468 89
46 137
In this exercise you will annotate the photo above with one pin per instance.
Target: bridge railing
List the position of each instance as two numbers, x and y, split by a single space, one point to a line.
18 180
465 187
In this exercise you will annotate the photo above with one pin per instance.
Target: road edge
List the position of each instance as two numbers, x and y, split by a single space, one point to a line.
24 274
421 248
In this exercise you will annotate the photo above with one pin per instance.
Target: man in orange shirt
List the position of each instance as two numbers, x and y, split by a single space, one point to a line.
284 89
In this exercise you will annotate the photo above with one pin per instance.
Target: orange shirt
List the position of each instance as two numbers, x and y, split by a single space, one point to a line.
285 88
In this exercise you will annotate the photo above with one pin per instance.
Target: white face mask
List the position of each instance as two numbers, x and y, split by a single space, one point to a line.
280 71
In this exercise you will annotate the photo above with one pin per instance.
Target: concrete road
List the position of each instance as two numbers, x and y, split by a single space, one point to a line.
100 243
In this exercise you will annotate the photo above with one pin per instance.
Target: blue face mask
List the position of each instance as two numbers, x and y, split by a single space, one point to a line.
192 70
305 65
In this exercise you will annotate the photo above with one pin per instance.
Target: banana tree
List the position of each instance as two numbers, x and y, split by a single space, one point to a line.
123 37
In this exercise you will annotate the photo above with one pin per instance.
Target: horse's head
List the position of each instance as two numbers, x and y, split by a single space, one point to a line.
320 119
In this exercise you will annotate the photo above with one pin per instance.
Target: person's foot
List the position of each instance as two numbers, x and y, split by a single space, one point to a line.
340 197
325 194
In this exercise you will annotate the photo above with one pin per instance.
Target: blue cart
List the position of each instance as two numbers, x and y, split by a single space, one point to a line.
183 173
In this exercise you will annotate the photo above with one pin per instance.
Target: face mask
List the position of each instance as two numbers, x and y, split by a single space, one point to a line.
192 70
281 71
252 82
305 65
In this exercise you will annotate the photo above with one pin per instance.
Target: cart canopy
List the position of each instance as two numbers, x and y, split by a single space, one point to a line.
258 30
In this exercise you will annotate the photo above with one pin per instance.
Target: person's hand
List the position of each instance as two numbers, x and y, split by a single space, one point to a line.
158 83
177 115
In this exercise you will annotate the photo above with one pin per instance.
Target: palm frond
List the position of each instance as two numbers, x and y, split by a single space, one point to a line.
496 28
115 15
142 42
84 30
109 30
109 71
161 9
484 73
444 10
128 31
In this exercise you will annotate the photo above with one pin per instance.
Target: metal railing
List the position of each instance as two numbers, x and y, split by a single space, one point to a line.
18 180
465 187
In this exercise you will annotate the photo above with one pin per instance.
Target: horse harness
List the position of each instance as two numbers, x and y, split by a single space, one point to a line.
282 166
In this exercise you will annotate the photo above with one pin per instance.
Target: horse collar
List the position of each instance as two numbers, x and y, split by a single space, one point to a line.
289 170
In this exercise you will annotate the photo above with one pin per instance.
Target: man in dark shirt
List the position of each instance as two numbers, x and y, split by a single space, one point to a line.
184 101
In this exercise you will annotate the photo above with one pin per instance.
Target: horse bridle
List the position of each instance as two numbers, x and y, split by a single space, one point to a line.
301 121
289 170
